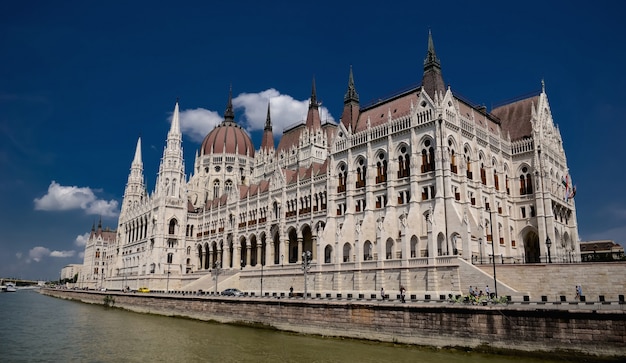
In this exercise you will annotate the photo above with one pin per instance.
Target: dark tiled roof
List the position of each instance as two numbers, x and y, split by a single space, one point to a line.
516 117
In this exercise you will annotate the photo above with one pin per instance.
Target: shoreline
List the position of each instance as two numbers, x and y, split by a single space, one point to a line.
600 335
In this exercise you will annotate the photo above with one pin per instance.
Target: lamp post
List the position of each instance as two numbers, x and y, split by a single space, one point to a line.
306 265
480 242
549 244
261 278
167 286
493 255
216 272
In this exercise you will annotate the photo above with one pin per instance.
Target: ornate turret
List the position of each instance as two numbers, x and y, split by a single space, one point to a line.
350 114
135 189
432 80
313 121
171 177
267 143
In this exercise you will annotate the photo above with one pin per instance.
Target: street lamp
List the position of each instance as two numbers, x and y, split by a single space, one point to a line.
549 244
167 286
216 271
493 255
306 265
480 242
261 278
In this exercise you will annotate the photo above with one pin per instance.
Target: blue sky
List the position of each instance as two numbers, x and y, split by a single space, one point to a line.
80 81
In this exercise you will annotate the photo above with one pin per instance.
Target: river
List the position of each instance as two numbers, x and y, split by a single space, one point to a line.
38 328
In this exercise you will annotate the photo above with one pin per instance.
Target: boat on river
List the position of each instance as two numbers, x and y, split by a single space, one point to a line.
10 287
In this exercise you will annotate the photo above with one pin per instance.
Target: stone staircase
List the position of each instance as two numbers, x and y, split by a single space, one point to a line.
227 279
470 275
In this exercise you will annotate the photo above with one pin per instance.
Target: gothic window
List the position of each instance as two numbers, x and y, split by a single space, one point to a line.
404 162
342 176
216 188
468 164
526 183
428 157
361 173
170 257
172 228
483 173
496 184
381 169
228 186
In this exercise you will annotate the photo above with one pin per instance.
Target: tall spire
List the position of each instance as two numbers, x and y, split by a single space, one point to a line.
135 186
229 115
351 108
175 127
313 120
137 160
432 80
267 143
351 94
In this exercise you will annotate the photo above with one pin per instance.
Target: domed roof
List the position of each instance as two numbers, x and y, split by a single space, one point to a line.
228 137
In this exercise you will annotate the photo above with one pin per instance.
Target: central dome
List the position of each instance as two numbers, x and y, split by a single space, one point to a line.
228 137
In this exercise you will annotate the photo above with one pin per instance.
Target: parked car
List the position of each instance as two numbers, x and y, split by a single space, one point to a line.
143 289
232 292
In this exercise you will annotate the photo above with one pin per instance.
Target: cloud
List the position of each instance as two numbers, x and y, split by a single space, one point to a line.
81 239
37 253
60 198
285 111
62 253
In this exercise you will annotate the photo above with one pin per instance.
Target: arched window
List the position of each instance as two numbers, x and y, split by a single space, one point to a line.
346 252
526 182
172 229
428 157
496 183
361 173
216 189
404 162
468 164
328 253
342 176
228 186
381 169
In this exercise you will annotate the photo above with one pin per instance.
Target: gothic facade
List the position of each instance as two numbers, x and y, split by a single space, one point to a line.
413 190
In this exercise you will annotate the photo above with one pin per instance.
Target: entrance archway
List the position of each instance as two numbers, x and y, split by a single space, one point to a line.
531 247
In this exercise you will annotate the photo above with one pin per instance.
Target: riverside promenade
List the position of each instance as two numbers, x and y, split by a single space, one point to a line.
596 329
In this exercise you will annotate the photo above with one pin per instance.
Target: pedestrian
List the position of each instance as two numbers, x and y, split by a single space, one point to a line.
487 292
402 294
290 291
382 293
471 291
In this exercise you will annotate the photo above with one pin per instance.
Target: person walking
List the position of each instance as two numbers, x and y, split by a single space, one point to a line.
402 294
487 292
382 293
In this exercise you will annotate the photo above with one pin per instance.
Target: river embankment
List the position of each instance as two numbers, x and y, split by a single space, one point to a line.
530 328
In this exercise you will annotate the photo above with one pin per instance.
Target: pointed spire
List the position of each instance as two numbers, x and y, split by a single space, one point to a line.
431 56
351 94
313 120
313 102
137 159
267 143
229 115
432 80
351 109
175 127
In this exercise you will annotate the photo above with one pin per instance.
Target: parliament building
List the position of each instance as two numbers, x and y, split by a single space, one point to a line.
416 190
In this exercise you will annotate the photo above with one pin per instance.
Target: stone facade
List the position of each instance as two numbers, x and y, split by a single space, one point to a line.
399 193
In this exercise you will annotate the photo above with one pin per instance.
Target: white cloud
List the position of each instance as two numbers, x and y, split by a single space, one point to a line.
62 253
284 110
198 123
37 253
81 255
61 197
81 240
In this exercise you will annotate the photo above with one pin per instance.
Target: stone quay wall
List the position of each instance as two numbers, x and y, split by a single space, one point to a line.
600 333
